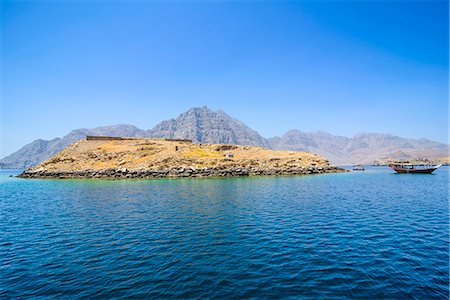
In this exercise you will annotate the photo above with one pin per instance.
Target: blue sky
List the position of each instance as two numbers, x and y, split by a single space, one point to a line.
343 67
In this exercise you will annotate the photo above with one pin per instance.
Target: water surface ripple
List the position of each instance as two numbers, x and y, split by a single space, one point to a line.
371 234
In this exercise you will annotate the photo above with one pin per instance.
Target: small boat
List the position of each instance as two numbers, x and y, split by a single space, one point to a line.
358 168
414 168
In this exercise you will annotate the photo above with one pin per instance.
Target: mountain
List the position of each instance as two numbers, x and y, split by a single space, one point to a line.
203 125
200 125
40 150
363 148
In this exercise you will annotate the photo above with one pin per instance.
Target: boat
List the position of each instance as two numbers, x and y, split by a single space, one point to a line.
414 168
358 168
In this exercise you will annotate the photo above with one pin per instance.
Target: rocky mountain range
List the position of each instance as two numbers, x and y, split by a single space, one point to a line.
363 148
203 125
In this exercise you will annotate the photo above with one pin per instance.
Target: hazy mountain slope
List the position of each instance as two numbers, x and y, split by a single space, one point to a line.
31 154
362 148
40 150
203 125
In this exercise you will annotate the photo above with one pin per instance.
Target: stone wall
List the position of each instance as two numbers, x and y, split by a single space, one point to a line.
105 138
179 140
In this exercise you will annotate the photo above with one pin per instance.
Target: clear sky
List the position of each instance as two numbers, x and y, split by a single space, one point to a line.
343 67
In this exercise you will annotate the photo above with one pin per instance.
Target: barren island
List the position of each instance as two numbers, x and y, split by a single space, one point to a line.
118 158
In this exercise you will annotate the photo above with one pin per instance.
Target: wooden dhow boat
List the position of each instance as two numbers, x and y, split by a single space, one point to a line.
358 167
414 168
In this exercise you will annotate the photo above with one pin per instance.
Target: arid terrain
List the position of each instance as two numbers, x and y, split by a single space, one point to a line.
159 158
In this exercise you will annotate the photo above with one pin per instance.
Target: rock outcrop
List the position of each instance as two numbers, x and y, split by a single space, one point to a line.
160 158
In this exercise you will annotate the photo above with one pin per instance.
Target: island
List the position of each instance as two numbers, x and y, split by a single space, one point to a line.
121 157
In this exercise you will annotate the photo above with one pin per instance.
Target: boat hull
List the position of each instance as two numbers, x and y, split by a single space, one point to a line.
403 170
426 171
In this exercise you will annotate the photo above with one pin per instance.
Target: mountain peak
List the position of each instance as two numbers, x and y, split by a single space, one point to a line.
360 135
293 131
199 109
202 125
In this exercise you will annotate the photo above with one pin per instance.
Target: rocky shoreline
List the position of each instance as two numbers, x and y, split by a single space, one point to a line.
123 173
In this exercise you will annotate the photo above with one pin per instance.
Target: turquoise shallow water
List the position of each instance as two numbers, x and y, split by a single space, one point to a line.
372 234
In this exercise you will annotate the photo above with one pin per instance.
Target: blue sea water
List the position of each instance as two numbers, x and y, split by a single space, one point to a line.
372 234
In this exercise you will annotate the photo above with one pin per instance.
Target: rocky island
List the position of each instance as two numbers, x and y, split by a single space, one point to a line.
118 157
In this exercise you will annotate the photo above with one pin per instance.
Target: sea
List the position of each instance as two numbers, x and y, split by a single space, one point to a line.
371 234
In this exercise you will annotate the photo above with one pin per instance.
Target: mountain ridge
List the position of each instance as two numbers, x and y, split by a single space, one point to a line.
202 125
364 148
